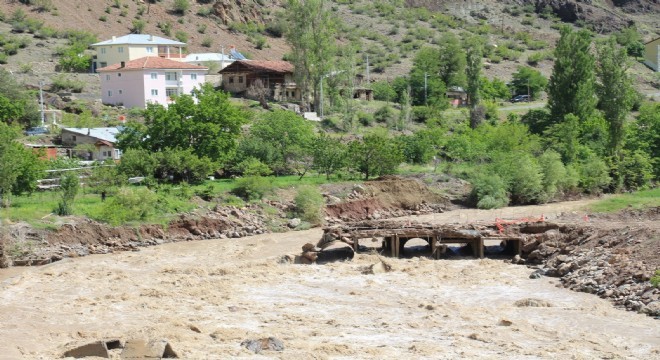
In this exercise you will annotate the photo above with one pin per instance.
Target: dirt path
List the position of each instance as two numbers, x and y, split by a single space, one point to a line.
206 297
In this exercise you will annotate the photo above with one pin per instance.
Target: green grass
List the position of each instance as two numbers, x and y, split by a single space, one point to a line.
37 209
636 200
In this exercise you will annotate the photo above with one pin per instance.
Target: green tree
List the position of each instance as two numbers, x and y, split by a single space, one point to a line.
614 90
528 81
70 184
311 34
495 89
473 71
375 154
571 89
209 128
383 91
644 134
289 136
16 104
451 60
329 154
19 167
425 82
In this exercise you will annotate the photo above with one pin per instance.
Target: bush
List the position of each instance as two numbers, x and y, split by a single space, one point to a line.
62 82
488 191
181 36
309 205
636 170
594 175
181 6
252 187
655 280
70 184
365 119
554 173
129 205
385 115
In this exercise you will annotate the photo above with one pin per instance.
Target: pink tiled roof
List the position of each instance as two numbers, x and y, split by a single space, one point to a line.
152 62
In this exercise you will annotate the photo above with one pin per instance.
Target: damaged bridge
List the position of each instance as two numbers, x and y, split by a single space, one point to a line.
395 235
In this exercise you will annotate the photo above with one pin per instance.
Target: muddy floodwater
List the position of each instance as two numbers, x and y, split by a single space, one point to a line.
206 297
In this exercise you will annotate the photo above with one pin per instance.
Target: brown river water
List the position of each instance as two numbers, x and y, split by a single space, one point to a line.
206 297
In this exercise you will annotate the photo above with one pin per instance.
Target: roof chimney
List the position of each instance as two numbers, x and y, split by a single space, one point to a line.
114 38
151 38
122 64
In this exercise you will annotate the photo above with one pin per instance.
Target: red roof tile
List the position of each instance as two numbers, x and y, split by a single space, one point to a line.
260 65
152 62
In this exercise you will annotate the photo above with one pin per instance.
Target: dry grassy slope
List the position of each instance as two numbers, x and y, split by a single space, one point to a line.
85 15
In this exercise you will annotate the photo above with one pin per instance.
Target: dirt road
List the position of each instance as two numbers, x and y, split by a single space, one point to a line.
206 297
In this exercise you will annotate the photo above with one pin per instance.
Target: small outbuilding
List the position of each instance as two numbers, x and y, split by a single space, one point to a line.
652 54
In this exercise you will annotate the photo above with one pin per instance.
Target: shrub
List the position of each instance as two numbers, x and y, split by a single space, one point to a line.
70 185
365 118
204 11
253 167
201 28
594 175
636 170
488 191
62 82
138 26
181 36
207 41
385 115
553 172
181 6
309 205
129 205
655 280
252 187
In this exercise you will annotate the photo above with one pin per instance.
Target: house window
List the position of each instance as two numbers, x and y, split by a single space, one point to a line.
74 138
117 153
103 64
193 76
109 93
171 92
154 76
169 76
107 77
120 92
154 92
150 50
102 50
231 79
240 79
120 49
118 74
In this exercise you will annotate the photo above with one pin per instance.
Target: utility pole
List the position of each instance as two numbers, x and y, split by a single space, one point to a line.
321 102
368 79
528 95
426 84
41 101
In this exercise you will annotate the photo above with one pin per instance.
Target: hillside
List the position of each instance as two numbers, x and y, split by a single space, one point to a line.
390 31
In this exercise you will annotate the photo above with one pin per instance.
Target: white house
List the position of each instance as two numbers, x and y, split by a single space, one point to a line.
205 59
652 54
135 46
149 79
102 139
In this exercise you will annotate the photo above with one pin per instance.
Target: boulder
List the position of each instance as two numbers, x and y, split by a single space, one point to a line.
259 345
335 251
141 349
95 349
294 223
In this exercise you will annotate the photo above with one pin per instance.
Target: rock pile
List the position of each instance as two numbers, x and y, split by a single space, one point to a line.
603 263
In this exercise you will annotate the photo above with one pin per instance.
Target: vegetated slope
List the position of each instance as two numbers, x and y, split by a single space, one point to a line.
390 31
